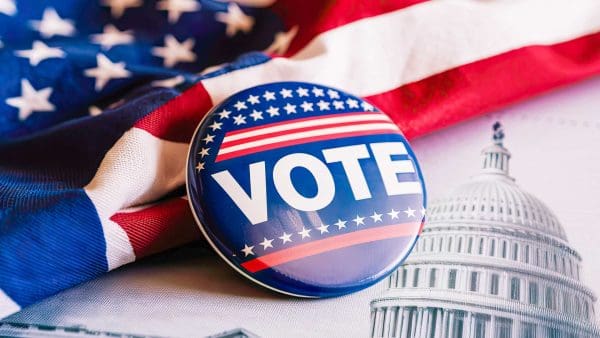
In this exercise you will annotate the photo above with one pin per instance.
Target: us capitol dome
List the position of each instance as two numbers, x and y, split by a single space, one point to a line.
492 261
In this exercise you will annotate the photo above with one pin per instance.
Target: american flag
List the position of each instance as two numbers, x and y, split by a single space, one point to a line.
99 99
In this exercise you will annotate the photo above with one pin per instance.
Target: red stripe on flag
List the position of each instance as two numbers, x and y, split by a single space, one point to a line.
331 243
465 92
222 157
159 227
316 17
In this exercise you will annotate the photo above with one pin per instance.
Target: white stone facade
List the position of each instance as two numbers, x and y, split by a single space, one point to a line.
492 261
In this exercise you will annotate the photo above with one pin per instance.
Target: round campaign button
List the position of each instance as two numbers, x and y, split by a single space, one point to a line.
305 189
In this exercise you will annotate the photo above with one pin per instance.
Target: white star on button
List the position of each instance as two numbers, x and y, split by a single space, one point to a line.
106 70
39 52
174 51
247 250
323 228
338 105
52 24
200 166
376 217
266 243
112 36
208 138
239 119
290 108
256 115
224 114
285 238
304 233
235 20
215 125
318 92
340 224
323 105
307 106
8 7
240 105
352 103
359 220
285 93
393 214
273 111
118 7
302 92
253 99
409 212
268 96
31 100
177 7
204 152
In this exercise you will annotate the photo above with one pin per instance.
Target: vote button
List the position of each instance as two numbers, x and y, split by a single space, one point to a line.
304 189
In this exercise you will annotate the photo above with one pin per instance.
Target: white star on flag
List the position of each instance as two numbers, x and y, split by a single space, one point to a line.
112 36
177 7
359 220
338 105
409 212
118 7
285 238
39 52
174 51
253 99
268 96
282 41
235 20
224 114
367 107
376 217
290 108
323 228
105 71
200 166
52 24
208 138
247 250
31 100
340 224
333 94
304 233
266 243
273 111
393 214
239 119
256 115
8 7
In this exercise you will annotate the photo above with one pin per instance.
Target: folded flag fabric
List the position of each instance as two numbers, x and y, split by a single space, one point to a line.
99 99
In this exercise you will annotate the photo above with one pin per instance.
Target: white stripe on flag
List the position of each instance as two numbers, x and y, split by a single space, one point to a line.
313 122
381 53
308 134
7 305
138 169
